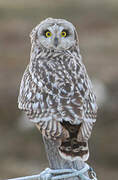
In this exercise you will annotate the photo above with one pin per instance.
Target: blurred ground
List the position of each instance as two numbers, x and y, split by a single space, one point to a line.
22 152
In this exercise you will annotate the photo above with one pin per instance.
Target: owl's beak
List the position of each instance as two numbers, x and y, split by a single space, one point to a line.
56 41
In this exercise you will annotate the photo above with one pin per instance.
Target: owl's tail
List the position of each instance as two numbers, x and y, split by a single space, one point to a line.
72 148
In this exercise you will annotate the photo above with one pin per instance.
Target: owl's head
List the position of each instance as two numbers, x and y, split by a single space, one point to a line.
57 34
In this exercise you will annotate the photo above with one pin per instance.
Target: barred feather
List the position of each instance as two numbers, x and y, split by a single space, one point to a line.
57 95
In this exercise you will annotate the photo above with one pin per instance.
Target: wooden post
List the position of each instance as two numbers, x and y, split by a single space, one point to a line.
55 160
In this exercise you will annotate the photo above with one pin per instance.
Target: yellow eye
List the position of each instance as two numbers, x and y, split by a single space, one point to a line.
48 34
63 34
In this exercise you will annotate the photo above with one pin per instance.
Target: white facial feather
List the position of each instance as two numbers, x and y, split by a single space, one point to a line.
55 26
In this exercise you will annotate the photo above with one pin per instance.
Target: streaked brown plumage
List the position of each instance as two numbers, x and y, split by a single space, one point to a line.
56 92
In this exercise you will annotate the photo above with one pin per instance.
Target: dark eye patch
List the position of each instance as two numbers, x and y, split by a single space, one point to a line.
45 31
67 32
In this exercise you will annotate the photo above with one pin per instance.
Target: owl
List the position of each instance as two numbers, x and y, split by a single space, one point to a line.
56 92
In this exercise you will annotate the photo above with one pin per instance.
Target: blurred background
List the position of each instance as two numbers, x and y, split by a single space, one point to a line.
21 147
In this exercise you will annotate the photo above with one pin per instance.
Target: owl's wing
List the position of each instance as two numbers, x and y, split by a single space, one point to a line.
25 93
90 110
90 113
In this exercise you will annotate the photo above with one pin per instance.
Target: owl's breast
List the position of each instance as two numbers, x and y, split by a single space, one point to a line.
57 77
60 84
62 88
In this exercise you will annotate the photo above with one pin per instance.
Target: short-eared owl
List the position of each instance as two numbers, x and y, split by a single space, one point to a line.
56 92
